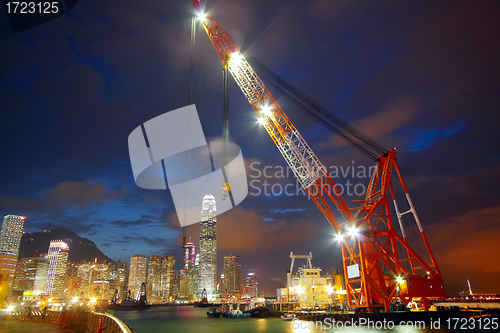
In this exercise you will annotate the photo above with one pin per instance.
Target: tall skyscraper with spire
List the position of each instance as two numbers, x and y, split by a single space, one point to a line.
208 247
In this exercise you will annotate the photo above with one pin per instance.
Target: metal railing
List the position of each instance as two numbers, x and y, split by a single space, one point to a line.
81 321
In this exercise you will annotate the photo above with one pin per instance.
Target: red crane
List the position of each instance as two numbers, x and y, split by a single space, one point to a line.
379 264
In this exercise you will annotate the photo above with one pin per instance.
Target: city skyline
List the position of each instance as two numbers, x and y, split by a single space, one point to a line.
412 75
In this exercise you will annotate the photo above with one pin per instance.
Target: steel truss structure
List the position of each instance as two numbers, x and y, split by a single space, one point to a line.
379 264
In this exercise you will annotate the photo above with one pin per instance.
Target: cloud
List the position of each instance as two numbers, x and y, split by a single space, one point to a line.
66 193
132 223
427 137
393 117
14 202
242 230
122 241
79 193
465 247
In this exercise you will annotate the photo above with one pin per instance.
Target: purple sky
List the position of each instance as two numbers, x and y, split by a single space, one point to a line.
419 76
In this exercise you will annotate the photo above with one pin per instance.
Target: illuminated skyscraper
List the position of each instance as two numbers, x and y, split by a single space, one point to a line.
121 277
100 281
10 240
184 278
137 274
189 255
84 272
154 279
251 285
186 285
232 276
208 247
33 274
196 277
12 231
58 264
167 277
8 263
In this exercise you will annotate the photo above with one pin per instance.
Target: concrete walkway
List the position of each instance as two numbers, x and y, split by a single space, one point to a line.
30 327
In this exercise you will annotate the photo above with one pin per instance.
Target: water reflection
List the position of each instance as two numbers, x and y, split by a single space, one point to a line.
188 319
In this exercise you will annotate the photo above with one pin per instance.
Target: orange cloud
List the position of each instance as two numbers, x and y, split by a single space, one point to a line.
467 246
240 230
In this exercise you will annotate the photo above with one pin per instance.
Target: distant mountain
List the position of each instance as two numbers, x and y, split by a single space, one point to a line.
80 249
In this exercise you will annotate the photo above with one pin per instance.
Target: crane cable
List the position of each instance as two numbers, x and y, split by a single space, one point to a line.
226 189
314 110
190 101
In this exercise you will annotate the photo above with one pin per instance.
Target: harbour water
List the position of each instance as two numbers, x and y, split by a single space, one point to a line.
189 319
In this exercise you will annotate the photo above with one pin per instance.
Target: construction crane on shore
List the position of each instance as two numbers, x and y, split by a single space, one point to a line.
379 264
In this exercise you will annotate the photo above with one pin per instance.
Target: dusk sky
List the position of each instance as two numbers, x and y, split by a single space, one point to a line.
422 76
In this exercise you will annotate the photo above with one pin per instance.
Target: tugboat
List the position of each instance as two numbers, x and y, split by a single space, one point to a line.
288 316
238 314
214 313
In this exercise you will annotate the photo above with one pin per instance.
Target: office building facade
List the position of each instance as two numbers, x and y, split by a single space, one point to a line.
137 274
58 264
208 248
232 276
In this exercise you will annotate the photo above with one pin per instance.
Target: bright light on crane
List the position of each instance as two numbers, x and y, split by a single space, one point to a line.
267 111
399 279
339 238
202 16
261 121
353 232
236 58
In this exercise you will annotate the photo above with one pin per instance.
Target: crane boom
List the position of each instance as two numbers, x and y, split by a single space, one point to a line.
379 264
305 165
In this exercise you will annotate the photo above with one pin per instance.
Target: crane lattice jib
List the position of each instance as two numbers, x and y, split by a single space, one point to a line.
375 256
306 166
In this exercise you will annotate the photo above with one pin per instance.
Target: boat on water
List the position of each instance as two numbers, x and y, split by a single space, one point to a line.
131 305
214 313
237 314
288 316
203 303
